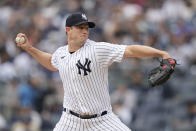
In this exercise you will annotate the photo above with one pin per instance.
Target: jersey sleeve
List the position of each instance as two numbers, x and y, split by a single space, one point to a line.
107 53
55 58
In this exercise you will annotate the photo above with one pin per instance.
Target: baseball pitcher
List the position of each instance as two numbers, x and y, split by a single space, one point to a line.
83 67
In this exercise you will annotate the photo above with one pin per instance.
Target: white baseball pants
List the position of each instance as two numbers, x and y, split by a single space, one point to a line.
108 122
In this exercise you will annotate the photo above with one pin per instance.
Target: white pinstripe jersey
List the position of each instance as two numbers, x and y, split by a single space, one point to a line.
84 74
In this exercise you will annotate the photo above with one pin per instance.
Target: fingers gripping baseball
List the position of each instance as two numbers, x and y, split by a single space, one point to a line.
22 41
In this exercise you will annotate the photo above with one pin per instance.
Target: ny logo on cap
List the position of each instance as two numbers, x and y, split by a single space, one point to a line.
84 17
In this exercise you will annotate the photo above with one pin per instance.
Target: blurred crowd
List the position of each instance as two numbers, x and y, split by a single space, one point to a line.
31 96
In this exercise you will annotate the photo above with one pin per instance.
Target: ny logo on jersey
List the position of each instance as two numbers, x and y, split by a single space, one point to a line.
85 67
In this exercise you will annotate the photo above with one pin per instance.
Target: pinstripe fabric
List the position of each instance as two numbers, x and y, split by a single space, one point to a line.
84 74
109 122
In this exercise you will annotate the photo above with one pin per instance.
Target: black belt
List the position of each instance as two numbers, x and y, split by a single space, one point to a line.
85 116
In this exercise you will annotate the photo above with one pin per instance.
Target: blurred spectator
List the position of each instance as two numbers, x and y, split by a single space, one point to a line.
7 68
2 123
27 119
123 101
27 94
192 111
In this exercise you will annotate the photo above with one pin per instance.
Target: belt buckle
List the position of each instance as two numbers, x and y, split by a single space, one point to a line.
85 115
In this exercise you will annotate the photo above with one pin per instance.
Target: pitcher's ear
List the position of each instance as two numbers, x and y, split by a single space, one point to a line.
67 29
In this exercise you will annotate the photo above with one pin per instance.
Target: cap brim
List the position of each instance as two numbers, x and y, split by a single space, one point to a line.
90 24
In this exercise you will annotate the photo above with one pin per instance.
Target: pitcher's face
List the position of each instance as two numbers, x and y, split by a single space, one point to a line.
78 33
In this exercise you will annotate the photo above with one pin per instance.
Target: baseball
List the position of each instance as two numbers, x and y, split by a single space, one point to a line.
20 40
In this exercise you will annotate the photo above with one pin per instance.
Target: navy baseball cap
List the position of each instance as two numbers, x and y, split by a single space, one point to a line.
77 19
